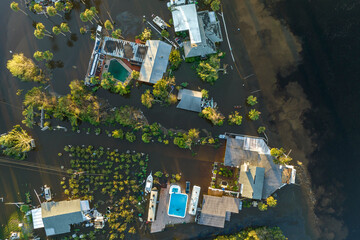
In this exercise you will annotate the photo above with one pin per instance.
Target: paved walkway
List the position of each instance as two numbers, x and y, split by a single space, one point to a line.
162 218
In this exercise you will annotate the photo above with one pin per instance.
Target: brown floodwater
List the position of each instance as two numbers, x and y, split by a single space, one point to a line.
292 213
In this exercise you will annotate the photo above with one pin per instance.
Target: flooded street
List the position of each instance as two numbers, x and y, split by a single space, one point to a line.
265 51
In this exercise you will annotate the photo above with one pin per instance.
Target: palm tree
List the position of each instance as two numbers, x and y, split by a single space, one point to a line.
108 25
68 6
38 8
52 11
116 33
56 30
41 27
95 11
47 55
65 27
39 34
59 6
38 56
15 7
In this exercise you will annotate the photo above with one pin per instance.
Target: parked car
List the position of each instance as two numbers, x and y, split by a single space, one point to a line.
187 187
47 193
179 42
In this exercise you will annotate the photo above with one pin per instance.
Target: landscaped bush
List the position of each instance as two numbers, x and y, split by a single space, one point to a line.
130 136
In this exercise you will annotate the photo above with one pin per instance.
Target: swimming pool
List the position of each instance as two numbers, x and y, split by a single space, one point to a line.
118 71
177 205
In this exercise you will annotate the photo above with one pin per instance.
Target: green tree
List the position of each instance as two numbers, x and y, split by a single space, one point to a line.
254 114
135 75
147 99
68 6
165 33
208 70
175 58
193 133
261 129
262 206
38 56
251 100
118 133
130 136
65 27
235 118
121 88
56 30
117 33
146 137
47 55
158 174
215 5
146 34
213 115
107 81
15 7
24 69
59 6
161 89
83 30
205 93
51 11
279 156
108 25
271 201
16 143
38 8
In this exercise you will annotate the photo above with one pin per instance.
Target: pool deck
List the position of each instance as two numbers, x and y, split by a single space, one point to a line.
162 218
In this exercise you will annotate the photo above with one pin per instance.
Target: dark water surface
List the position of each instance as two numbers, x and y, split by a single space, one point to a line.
328 75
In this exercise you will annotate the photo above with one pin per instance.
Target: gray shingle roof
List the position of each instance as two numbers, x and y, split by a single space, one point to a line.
58 216
190 100
252 180
235 155
213 212
155 62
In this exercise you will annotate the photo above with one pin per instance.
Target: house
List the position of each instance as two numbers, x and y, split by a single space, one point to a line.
155 61
57 217
189 100
215 210
203 27
252 181
252 156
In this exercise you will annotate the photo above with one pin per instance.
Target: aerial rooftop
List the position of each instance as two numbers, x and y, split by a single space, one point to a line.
185 18
255 152
155 62
215 210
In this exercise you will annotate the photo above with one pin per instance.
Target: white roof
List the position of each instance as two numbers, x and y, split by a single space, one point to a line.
185 18
37 218
85 206
152 205
194 200
254 144
155 62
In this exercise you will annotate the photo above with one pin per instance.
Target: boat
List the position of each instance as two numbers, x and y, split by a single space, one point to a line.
47 193
149 183
159 22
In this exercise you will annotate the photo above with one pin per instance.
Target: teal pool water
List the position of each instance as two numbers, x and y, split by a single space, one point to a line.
118 71
177 205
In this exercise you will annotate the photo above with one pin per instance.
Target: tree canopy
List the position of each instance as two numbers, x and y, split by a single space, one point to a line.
25 69
175 58
213 115
208 70
16 143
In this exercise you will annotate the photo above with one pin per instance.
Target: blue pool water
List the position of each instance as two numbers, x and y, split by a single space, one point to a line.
177 205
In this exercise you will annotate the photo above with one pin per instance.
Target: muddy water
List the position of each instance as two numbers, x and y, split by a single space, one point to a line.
256 52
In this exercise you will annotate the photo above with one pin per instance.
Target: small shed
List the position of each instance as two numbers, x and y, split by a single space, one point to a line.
190 100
